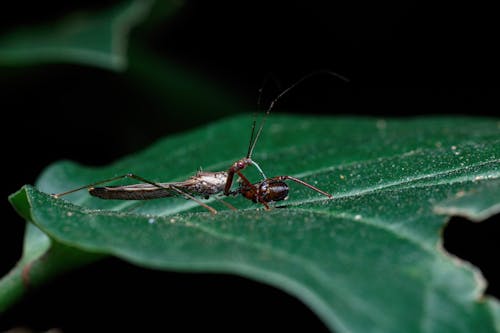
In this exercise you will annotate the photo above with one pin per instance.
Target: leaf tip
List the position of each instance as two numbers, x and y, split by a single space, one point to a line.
20 201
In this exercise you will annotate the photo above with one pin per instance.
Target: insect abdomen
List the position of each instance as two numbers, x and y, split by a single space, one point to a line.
274 191
117 193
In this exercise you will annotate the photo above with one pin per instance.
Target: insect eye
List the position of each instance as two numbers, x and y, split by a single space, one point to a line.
241 165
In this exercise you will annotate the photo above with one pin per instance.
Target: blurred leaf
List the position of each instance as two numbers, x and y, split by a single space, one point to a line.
368 260
96 39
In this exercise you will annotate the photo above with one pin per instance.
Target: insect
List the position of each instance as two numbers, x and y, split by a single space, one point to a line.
204 184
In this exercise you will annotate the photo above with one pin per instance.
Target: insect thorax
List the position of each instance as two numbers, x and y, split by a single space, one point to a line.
208 183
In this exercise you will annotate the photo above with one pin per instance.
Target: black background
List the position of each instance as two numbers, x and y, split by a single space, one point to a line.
403 59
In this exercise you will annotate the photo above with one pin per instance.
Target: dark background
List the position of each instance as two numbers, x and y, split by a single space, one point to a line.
402 58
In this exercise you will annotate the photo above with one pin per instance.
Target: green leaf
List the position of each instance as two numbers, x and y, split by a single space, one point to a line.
97 39
370 259
42 258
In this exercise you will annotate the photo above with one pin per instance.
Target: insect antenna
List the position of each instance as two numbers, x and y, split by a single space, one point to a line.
255 136
252 135
267 78
251 143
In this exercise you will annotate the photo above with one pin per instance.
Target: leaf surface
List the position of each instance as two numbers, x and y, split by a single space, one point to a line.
368 260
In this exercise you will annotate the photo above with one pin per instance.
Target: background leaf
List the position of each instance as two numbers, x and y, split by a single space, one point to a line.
368 260
83 38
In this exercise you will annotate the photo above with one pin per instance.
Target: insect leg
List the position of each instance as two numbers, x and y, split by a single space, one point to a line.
229 181
227 204
281 178
174 188
247 183
109 180
189 196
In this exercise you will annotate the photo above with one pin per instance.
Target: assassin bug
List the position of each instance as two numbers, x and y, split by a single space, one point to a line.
204 184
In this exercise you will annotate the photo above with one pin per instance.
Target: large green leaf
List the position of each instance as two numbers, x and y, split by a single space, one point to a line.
368 260
97 39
